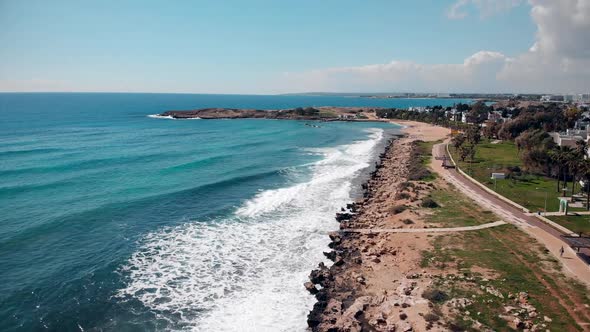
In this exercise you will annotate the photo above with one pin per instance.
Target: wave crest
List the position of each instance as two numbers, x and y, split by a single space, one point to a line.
247 271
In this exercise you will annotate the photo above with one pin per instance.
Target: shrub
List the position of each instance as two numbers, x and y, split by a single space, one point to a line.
429 203
402 195
431 317
407 221
397 209
435 295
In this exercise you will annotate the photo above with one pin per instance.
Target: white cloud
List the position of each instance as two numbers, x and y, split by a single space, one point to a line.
559 61
460 9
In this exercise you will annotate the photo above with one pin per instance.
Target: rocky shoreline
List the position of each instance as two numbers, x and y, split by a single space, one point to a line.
342 295
300 113
400 281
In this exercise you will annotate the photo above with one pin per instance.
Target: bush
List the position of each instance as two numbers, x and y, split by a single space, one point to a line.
431 317
429 203
408 221
406 185
402 195
435 295
398 209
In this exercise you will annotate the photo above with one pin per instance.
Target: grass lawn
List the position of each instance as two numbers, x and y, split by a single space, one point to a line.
503 258
456 210
425 149
575 223
529 192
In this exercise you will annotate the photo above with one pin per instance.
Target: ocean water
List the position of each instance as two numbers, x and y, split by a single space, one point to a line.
114 221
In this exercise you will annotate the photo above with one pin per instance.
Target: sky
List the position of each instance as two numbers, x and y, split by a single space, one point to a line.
269 47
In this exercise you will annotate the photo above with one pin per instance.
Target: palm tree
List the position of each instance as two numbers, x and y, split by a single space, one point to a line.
576 159
560 157
556 164
585 172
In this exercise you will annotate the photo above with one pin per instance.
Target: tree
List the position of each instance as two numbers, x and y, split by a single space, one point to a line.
576 160
473 135
584 168
571 115
458 141
466 151
491 130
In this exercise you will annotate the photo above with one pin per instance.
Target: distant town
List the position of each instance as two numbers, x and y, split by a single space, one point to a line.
564 98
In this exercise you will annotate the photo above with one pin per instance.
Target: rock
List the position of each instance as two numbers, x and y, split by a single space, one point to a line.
311 287
547 319
518 323
338 261
508 309
343 216
523 297
330 255
320 275
493 291
460 302
403 326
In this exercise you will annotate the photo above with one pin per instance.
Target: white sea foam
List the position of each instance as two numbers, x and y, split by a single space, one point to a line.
246 273
158 116
169 117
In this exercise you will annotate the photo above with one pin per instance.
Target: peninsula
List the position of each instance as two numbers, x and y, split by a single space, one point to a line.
300 113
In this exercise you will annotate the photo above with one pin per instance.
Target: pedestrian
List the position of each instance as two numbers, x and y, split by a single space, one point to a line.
561 251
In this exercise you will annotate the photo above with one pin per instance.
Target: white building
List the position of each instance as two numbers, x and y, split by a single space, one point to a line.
552 98
570 137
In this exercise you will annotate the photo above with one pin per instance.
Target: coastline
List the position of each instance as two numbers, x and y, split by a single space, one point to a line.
372 273
323 113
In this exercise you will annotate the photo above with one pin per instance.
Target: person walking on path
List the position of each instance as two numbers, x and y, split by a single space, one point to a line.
561 251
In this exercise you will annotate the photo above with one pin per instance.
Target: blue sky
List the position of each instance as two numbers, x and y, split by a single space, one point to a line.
245 46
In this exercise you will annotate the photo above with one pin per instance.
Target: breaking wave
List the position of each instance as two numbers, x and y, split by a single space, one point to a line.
246 272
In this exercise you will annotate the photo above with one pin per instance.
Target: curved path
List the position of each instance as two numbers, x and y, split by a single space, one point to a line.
423 230
545 234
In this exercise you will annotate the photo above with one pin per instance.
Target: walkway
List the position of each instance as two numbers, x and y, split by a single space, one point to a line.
545 234
570 213
423 230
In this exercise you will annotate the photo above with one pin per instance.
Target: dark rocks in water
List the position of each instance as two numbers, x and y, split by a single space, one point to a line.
343 216
320 275
330 255
315 316
335 237
352 207
311 288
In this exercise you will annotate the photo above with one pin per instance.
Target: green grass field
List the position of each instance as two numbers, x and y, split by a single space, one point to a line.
426 157
515 262
575 223
531 192
457 210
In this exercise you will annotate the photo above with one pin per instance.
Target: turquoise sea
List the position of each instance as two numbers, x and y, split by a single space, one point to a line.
114 221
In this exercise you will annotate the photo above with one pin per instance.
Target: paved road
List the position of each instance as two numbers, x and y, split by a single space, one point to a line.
424 230
541 231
